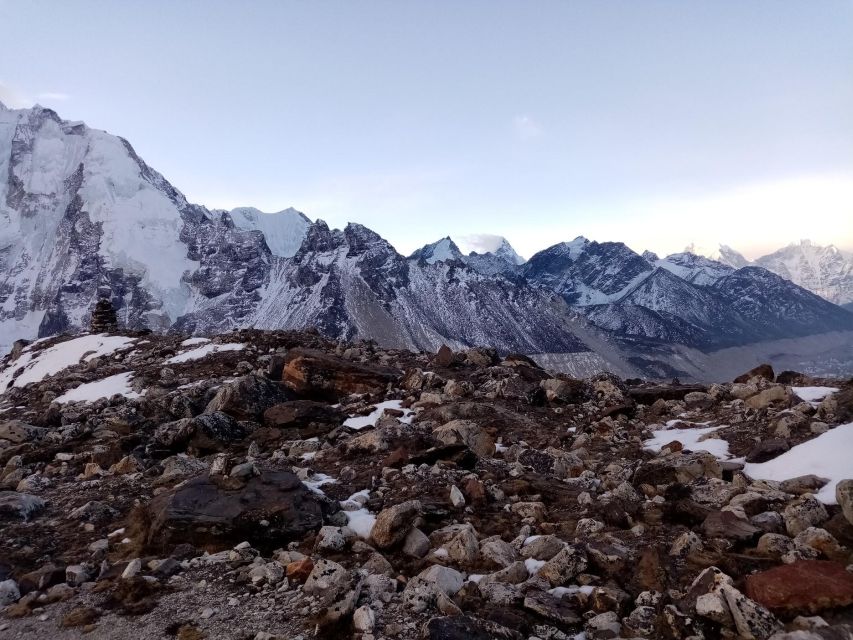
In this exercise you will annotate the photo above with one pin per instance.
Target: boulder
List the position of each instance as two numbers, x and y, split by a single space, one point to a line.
18 432
19 506
804 586
393 524
321 376
678 467
771 395
248 397
216 509
844 496
303 418
208 432
467 627
466 432
761 371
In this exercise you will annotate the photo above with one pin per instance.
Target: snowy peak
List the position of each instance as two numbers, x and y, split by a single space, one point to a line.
695 269
722 253
283 231
825 271
443 250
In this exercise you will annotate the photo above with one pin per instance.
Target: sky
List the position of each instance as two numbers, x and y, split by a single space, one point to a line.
656 123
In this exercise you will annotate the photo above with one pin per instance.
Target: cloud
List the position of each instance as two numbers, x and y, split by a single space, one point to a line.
479 242
526 128
53 96
13 98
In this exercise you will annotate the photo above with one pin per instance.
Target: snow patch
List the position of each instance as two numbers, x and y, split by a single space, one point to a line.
827 456
370 420
191 342
813 395
692 439
118 384
37 365
204 351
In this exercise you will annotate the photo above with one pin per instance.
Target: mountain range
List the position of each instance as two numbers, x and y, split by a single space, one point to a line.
82 216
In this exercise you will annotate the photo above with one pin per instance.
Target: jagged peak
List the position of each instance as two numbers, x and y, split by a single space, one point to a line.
439 251
650 256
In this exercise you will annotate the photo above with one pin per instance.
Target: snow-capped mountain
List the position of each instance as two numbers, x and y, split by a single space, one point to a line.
82 216
722 253
682 298
826 271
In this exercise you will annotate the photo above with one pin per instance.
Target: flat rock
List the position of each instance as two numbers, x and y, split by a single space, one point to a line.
322 376
303 418
805 586
206 508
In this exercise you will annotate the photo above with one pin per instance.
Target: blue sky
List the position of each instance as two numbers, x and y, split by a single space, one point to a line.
654 123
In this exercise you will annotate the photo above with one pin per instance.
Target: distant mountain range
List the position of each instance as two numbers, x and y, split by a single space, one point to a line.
82 216
826 271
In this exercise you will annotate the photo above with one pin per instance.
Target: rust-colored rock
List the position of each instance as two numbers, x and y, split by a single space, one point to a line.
299 570
761 371
322 376
806 586
444 357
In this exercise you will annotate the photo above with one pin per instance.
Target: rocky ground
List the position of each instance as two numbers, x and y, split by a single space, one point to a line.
250 487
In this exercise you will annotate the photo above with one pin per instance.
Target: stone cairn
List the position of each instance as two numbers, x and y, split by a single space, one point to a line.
104 317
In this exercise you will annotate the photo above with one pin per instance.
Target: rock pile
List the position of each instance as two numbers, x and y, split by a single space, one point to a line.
104 318
278 485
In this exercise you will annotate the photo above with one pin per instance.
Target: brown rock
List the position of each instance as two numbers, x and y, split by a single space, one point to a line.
444 357
213 509
725 524
80 617
322 376
392 524
762 371
806 586
299 570
303 418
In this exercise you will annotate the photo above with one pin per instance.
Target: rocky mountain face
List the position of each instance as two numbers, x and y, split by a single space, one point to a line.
82 217
275 485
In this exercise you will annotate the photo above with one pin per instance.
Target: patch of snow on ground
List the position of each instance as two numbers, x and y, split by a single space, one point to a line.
691 439
370 420
204 351
359 518
559 592
532 565
317 480
38 365
827 456
813 395
191 342
105 388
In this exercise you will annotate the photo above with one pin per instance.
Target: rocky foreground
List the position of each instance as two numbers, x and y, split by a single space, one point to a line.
278 485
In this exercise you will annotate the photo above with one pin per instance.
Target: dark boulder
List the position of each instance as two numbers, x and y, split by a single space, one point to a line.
303 418
212 510
467 627
207 432
761 371
248 397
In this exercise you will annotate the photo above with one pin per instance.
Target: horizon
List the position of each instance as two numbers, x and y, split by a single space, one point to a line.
614 121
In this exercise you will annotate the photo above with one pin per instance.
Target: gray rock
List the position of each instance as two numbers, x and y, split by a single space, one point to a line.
19 506
9 592
844 496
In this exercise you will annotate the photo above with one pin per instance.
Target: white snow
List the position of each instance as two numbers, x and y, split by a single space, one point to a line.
318 480
691 438
533 565
105 388
191 342
359 518
370 420
40 364
813 395
827 456
559 592
283 231
204 351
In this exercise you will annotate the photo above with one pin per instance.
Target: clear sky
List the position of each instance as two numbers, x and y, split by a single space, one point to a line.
655 123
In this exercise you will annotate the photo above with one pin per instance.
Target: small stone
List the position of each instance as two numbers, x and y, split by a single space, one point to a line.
416 544
456 497
364 619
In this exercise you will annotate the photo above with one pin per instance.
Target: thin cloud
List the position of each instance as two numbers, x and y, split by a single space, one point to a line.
479 242
526 128
54 96
13 98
